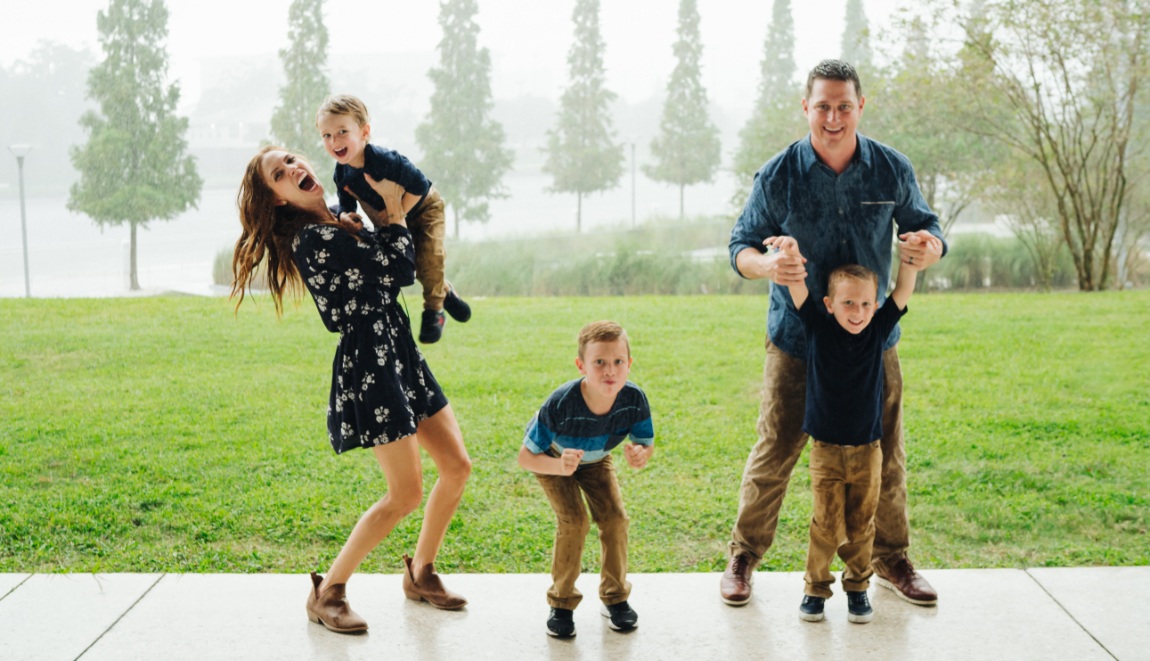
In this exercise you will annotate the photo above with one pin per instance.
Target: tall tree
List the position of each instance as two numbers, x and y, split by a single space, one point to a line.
462 144
581 156
776 120
134 168
919 109
305 68
687 148
1069 72
856 39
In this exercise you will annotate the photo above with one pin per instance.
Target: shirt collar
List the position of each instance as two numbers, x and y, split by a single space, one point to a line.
863 154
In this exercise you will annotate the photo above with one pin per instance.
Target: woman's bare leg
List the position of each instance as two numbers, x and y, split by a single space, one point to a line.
441 437
401 468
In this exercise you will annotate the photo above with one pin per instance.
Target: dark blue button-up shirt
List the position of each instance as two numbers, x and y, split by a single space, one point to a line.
381 164
837 219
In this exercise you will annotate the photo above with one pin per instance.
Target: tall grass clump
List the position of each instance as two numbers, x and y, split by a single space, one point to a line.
982 261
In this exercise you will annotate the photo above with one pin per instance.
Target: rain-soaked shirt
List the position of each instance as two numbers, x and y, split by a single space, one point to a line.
837 219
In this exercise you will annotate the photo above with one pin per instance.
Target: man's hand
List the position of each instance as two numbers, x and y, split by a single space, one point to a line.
781 268
569 461
920 249
638 455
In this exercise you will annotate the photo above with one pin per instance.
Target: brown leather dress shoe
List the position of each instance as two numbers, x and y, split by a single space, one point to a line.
735 586
907 583
331 608
429 588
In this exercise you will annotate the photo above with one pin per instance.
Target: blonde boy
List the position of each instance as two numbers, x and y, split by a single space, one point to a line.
843 416
568 446
343 123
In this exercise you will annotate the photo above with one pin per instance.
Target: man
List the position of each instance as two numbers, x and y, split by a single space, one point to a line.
840 195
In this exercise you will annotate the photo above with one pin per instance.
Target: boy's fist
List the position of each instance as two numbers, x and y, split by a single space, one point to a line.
569 461
637 455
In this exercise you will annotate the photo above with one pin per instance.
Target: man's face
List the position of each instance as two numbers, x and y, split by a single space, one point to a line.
833 110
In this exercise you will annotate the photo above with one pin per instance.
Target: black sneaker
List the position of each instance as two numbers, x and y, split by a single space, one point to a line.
561 624
620 616
456 307
858 607
432 327
811 609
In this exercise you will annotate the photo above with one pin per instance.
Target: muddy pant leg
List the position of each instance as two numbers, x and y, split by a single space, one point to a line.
428 230
769 466
826 531
863 475
570 533
606 503
892 524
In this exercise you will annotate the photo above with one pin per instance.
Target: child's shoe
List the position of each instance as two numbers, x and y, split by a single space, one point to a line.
561 624
456 307
432 327
811 609
620 616
858 607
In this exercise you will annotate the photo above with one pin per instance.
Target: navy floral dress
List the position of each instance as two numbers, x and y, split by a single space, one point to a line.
381 387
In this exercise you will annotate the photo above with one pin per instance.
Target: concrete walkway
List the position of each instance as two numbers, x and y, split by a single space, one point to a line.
1079 613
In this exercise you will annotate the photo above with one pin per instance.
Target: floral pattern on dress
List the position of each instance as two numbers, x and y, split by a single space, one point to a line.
381 386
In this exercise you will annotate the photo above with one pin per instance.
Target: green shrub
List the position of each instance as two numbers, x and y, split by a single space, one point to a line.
982 261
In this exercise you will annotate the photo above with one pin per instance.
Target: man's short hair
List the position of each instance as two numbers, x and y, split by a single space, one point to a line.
834 70
602 331
850 272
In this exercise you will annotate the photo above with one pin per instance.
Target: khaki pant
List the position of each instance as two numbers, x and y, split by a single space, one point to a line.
597 483
781 441
428 229
845 480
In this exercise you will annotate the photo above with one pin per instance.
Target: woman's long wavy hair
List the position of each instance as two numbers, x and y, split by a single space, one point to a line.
268 231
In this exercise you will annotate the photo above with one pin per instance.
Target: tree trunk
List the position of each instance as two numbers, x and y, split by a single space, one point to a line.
455 216
135 284
681 215
579 213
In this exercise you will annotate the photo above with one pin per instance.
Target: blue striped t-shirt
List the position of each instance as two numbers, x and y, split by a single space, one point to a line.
564 421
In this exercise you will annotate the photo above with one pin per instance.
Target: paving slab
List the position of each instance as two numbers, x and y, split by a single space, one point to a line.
1002 613
57 616
1109 602
9 582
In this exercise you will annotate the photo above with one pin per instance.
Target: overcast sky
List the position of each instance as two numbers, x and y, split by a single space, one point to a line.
528 40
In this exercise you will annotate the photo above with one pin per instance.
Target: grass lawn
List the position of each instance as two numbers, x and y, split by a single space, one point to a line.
165 434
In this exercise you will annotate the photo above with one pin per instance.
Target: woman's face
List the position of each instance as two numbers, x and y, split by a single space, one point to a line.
291 179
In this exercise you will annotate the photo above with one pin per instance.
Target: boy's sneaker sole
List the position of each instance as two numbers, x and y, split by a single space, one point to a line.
812 617
860 619
611 622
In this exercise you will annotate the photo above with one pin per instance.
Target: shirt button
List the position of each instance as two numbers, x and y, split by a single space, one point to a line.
840 212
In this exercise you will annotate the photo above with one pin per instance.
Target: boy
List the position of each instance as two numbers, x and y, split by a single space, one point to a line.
568 446
843 416
343 123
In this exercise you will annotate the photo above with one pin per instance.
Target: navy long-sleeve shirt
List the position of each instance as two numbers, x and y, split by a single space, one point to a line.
381 164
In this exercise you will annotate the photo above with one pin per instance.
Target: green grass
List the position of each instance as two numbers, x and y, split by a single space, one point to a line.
164 434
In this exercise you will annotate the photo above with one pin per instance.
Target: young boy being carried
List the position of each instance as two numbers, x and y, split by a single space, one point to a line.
843 417
568 446
343 123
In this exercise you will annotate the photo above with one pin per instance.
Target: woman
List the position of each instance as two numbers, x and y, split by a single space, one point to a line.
383 396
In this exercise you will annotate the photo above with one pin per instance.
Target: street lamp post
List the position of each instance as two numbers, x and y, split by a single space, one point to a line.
20 151
632 183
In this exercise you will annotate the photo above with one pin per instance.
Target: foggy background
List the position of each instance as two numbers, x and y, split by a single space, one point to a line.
224 56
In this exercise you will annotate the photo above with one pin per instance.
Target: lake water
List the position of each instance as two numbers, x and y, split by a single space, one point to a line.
70 256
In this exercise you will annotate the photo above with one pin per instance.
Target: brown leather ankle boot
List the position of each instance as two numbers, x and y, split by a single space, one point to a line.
331 608
429 588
